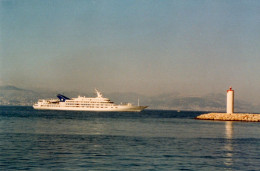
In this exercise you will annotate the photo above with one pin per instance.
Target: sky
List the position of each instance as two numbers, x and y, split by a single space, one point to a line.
143 46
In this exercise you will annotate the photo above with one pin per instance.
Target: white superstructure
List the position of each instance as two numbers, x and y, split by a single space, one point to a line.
98 103
230 100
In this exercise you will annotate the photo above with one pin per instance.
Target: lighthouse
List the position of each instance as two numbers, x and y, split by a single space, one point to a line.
230 115
230 100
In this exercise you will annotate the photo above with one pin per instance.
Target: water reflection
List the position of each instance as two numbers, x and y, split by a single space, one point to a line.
228 145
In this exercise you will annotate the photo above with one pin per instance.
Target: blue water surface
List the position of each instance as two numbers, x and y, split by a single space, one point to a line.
150 140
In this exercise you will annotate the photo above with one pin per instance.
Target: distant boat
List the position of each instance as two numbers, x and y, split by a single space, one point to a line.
98 103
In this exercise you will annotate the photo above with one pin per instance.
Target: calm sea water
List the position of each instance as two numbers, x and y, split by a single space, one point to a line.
150 140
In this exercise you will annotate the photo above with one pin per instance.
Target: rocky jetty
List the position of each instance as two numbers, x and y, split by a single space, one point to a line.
230 117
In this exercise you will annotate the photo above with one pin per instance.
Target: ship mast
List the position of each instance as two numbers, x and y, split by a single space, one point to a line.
98 93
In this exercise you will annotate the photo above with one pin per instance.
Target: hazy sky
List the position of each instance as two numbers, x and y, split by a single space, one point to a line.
143 46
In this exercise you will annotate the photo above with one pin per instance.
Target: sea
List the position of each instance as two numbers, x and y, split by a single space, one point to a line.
148 140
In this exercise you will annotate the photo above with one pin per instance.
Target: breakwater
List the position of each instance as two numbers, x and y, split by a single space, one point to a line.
230 117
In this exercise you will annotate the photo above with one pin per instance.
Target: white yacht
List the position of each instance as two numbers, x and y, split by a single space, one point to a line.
98 103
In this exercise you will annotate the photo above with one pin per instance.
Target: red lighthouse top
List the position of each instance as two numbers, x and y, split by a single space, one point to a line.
230 89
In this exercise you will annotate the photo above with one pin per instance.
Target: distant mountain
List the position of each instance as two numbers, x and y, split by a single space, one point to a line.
172 102
11 95
209 102
8 87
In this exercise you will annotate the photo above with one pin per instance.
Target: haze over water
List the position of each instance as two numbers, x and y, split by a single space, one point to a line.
149 47
150 140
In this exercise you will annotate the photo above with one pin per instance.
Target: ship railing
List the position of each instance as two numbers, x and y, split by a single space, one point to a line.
125 103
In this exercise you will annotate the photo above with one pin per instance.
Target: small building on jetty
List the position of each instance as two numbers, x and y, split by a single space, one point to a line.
230 115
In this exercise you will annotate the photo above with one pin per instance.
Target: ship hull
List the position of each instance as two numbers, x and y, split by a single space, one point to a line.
119 109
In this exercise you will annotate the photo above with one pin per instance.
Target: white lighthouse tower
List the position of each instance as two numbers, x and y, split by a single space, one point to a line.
230 100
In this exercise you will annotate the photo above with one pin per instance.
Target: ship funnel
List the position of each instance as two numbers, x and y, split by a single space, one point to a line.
62 97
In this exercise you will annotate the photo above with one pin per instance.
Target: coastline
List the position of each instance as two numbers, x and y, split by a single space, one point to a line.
245 117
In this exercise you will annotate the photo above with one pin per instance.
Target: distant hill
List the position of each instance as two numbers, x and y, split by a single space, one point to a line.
11 95
10 88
